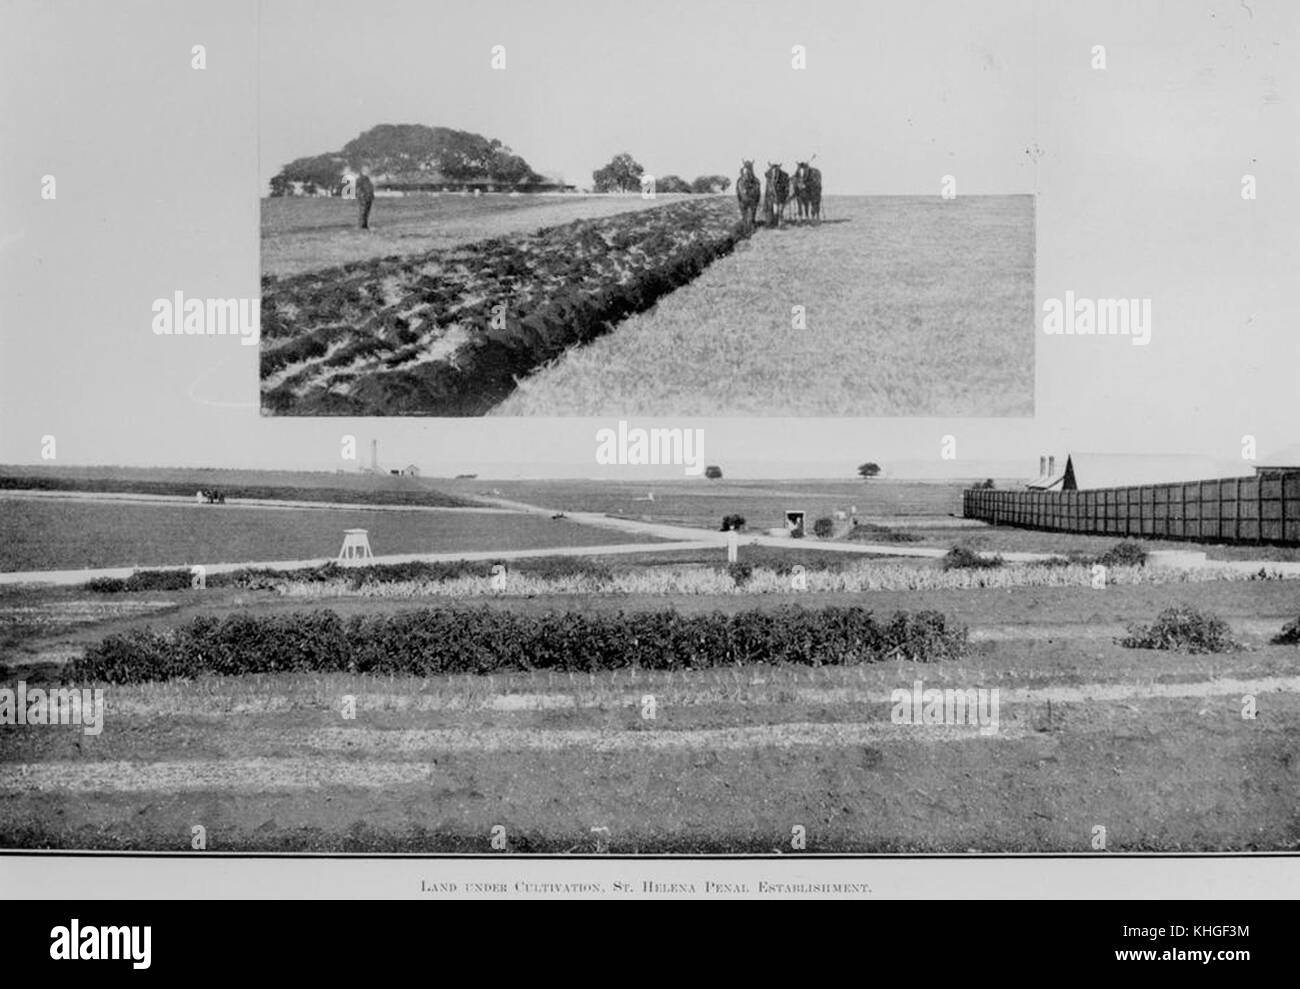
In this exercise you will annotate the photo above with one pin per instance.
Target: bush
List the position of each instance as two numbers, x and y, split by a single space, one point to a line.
106 585
1182 629
1123 554
961 558
823 527
159 580
427 642
740 572
736 522
1290 634
869 532
255 578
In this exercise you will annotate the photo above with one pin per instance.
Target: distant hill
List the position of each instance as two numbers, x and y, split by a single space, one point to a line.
409 150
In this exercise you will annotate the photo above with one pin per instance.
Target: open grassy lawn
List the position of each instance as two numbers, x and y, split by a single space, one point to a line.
186 480
701 502
63 535
306 234
914 306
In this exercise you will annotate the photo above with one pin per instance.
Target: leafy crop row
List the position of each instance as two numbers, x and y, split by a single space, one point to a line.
428 642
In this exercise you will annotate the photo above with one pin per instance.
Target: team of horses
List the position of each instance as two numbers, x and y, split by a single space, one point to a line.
806 186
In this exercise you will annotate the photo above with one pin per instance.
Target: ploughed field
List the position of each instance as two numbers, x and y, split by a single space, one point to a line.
449 331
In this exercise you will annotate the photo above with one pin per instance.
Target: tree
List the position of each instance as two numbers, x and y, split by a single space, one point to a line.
824 527
986 485
321 171
713 472
411 150
711 183
622 174
671 183
869 469
736 522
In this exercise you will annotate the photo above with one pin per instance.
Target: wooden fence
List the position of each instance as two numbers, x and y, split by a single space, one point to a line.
1261 509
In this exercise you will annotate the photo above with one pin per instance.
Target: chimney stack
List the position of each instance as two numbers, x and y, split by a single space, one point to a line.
1051 466
374 455
1042 466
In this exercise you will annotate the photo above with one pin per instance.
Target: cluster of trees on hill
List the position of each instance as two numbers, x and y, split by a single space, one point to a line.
392 149
624 173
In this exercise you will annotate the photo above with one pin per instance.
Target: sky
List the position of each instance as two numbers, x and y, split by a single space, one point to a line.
1137 169
685 87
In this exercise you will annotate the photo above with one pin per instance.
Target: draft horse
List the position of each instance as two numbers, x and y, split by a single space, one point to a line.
808 191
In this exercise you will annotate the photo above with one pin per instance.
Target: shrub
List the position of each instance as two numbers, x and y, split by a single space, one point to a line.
1123 554
1182 629
823 527
106 585
158 580
869 532
736 522
1290 634
740 572
428 642
961 558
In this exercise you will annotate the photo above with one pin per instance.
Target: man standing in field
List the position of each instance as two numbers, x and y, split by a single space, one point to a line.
365 197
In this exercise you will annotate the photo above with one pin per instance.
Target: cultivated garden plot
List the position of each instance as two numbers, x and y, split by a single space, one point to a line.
682 759
448 332
612 698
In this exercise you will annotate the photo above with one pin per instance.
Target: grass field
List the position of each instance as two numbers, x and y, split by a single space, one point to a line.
914 306
186 480
302 234
703 502
44 535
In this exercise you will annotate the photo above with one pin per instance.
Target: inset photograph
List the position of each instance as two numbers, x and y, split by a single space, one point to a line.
588 212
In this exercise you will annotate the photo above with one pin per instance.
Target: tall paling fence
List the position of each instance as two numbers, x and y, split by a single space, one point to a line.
1261 509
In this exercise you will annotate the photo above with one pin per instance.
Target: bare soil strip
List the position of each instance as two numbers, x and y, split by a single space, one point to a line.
244 775
756 692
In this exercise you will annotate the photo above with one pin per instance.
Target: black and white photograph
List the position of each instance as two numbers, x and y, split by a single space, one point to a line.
658 218
714 449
